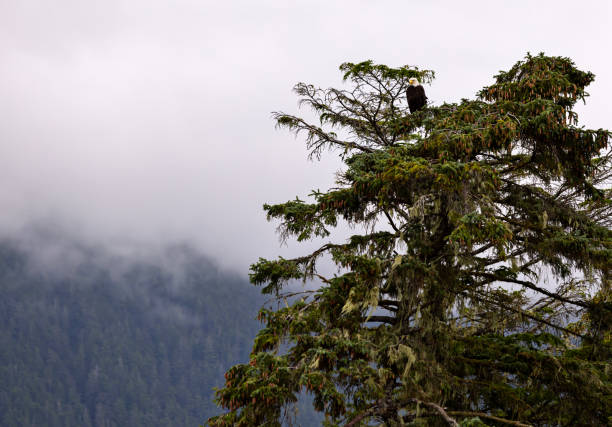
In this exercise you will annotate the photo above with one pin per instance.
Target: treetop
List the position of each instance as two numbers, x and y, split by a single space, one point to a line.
477 289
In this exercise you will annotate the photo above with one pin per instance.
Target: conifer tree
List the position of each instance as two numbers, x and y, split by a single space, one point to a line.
479 291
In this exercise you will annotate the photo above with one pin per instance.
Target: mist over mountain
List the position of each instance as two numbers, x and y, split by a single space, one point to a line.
93 337
150 120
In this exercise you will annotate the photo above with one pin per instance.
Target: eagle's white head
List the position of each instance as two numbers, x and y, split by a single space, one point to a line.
413 81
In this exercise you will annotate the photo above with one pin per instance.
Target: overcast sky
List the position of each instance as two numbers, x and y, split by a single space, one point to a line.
147 122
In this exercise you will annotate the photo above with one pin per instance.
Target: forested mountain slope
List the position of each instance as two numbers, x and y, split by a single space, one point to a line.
92 339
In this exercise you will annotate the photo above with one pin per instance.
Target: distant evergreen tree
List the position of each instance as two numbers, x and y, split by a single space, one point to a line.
102 346
479 292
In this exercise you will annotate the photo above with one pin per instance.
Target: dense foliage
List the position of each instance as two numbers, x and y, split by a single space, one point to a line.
106 341
479 291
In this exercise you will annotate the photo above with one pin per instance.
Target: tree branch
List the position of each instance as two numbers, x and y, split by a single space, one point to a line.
440 410
317 137
382 319
523 313
491 417
533 287
390 221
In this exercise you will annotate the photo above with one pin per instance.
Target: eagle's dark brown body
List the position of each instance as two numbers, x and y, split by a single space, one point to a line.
416 97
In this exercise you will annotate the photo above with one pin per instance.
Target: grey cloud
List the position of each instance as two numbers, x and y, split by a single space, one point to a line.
149 121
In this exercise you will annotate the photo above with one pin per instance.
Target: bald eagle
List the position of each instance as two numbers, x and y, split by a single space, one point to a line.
415 95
